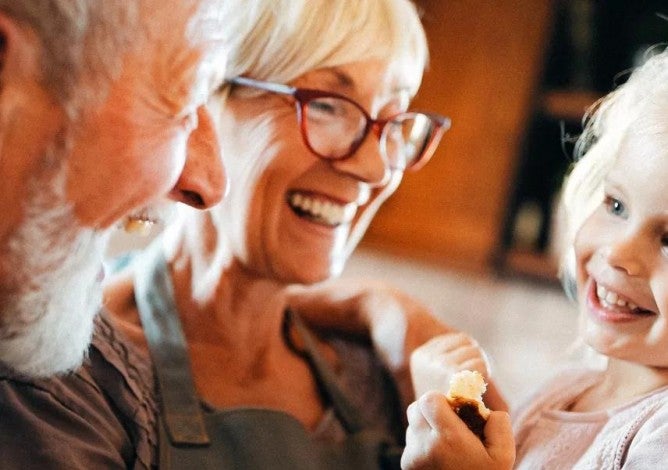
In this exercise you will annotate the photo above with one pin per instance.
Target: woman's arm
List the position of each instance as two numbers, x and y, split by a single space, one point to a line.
396 323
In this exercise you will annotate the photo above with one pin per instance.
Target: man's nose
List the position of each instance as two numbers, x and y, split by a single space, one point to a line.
203 181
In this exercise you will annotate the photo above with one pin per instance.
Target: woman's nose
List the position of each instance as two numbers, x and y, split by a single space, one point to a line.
203 181
367 164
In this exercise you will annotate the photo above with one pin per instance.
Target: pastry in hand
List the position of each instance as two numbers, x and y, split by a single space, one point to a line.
465 398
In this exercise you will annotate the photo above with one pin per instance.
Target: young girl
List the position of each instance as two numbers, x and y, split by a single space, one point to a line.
616 202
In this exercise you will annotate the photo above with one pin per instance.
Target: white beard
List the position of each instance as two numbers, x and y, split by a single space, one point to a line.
50 294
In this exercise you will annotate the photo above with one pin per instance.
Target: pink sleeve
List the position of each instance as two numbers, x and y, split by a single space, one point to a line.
648 447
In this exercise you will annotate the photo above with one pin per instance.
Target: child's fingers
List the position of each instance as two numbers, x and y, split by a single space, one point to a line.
499 439
442 350
450 341
416 419
419 439
436 411
477 364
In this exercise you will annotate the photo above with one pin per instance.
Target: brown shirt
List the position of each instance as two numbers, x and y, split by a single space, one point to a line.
101 417
104 416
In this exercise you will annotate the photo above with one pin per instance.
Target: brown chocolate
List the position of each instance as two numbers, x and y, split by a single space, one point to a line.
468 412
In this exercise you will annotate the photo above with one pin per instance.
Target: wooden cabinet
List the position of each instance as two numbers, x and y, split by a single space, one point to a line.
592 46
486 61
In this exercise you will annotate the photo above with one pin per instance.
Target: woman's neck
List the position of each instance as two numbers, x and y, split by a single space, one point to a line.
220 300
232 318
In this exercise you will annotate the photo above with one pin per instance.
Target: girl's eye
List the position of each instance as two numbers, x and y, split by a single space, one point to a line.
615 206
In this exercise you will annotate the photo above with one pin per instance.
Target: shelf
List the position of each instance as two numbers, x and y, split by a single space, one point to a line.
530 264
570 105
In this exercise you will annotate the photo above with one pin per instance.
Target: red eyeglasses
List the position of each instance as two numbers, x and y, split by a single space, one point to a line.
333 126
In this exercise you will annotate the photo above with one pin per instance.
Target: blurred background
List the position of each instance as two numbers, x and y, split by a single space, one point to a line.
509 73
472 234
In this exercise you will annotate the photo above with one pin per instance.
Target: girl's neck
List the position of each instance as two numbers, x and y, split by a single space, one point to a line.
621 383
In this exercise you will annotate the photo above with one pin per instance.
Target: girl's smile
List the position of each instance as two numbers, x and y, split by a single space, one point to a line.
606 305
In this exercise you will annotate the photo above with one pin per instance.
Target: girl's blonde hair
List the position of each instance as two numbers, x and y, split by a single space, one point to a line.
641 104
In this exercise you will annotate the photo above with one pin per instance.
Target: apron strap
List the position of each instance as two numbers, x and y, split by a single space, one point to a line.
181 411
347 414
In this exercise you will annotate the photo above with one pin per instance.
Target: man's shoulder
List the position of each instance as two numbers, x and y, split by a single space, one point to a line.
69 390
58 422
110 363
104 410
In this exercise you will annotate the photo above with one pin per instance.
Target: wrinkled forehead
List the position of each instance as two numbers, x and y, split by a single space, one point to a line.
210 30
210 22
192 23
190 42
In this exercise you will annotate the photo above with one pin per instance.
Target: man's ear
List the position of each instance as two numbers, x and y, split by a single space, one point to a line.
19 67
19 51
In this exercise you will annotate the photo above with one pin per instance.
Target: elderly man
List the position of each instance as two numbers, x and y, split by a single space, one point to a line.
102 117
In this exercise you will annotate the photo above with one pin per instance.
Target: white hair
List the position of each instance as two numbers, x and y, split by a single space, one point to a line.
50 292
291 37
286 39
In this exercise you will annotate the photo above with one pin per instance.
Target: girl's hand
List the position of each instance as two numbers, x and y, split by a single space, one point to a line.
437 439
433 363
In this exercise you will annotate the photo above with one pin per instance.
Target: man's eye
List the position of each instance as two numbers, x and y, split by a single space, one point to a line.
615 206
664 240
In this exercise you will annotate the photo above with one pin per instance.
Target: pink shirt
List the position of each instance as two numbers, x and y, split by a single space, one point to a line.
634 435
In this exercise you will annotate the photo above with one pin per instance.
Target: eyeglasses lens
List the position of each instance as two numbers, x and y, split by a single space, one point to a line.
335 127
405 138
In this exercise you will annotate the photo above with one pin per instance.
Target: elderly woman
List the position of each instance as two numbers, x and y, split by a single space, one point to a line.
319 135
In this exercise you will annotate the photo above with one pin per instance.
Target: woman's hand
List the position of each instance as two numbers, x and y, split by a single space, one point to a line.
433 364
395 322
437 439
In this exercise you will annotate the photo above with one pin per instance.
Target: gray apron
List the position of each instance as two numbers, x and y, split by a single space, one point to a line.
241 438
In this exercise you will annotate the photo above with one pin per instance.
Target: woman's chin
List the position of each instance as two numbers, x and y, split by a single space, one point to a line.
312 273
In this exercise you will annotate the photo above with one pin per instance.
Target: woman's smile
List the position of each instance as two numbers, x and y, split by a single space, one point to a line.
321 209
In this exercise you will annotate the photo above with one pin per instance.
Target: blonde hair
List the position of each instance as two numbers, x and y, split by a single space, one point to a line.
641 106
291 37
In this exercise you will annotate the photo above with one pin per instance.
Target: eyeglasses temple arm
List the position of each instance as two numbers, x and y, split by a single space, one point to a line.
267 86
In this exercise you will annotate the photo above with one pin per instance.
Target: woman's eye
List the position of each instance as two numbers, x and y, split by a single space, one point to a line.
324 107
615 206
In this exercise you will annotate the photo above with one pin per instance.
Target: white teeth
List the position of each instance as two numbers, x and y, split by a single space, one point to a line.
612 299
600 291
327 212
138 226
